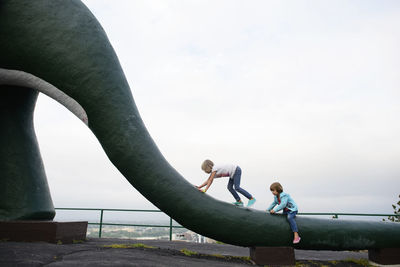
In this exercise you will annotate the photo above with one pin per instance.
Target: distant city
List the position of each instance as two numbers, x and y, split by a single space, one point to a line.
149 233
151 228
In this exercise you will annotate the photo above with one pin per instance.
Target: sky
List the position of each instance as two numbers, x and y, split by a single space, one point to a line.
301 92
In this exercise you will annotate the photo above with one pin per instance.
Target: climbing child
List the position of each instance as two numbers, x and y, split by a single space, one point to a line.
285 202
227 170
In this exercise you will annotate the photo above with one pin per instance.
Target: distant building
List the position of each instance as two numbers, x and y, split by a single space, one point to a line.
190 236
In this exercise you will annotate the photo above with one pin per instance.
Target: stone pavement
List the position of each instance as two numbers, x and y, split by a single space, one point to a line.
100 252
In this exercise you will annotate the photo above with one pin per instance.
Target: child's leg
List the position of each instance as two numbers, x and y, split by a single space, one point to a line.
292 222
233 192
236 180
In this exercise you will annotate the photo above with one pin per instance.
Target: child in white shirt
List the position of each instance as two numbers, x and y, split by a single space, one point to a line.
227 170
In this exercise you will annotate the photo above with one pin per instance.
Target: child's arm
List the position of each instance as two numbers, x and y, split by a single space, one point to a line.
271 206
203 184
284 201
208 182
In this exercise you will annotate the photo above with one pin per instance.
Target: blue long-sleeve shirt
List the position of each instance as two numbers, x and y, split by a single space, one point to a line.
286 202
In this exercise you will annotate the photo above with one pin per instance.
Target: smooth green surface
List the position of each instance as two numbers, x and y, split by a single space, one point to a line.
24 193
61 42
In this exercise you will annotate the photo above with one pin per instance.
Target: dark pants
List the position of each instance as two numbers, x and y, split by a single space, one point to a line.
234 185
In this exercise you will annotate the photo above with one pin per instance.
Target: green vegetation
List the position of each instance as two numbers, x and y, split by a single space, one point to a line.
136 245
140 245
348 262
216 256
362 262
242 258
118 246
396 216
188 252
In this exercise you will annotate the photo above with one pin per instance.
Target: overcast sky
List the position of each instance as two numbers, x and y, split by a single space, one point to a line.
302 92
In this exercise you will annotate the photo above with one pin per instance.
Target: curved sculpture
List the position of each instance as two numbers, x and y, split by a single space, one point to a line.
60 42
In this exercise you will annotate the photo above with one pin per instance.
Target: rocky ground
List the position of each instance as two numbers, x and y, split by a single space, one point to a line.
122 252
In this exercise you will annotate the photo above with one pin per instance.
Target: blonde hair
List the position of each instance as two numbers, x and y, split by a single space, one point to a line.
207 166
277 187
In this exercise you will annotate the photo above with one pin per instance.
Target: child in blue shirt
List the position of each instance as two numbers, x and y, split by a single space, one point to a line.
285 202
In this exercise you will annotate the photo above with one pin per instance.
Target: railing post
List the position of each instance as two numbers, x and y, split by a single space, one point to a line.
101 222
170 228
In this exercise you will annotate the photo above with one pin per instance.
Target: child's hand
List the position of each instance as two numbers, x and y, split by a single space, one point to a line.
272 211
201 190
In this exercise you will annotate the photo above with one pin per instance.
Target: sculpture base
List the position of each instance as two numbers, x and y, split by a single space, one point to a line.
384 256
273 255
47 231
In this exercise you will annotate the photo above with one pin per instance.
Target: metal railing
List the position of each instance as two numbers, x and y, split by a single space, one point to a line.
101 223
335 215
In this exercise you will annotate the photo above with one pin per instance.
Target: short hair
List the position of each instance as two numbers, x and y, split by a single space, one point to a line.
276 186
207 165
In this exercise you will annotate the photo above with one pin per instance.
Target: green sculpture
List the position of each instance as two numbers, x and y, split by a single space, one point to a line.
58 47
